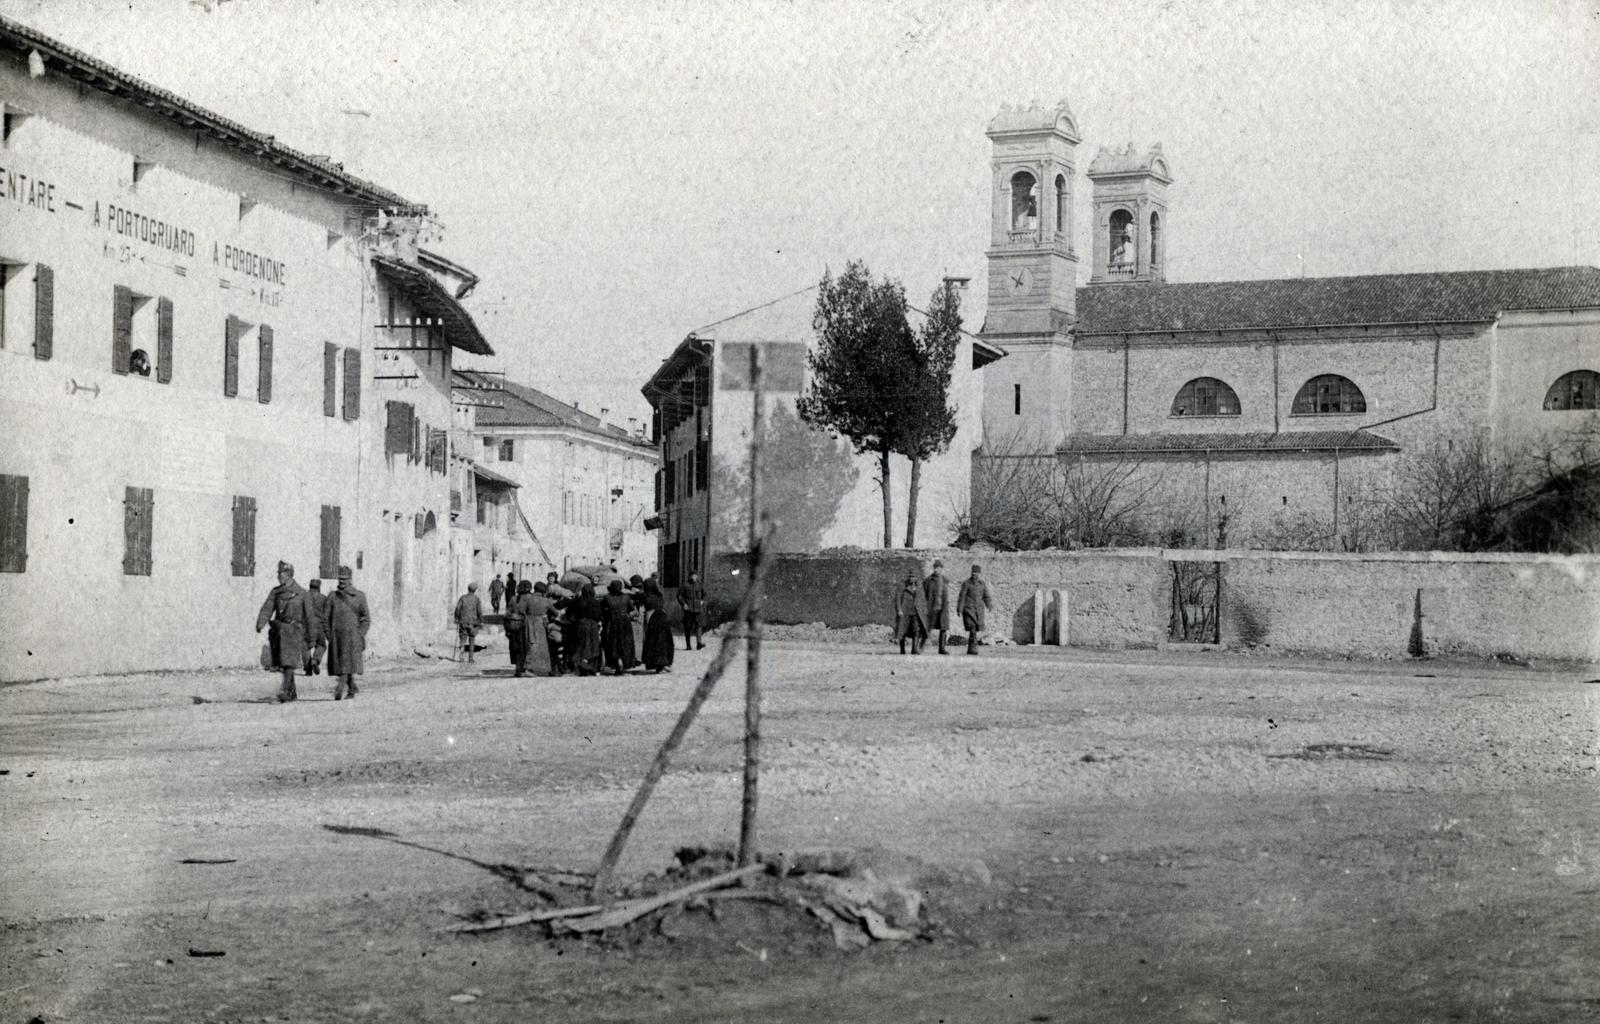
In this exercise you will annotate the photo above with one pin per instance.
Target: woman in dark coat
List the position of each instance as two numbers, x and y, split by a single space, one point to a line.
658 645
617 629
535 652
516 626
585 613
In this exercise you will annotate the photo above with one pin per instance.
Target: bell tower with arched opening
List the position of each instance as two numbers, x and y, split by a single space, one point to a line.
1033 275
1130 215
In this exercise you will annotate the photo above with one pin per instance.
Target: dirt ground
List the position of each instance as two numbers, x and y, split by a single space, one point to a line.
1185 838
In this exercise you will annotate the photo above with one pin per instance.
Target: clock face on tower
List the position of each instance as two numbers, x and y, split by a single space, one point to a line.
1019 281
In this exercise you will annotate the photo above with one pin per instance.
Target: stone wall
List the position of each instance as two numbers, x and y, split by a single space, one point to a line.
1363 606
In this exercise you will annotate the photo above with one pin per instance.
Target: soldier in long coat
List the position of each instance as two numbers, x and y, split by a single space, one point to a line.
936 595
285 612
910 615
972 603
346 623
316 638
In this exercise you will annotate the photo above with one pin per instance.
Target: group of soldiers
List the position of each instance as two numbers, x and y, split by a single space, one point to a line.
923 607
302 625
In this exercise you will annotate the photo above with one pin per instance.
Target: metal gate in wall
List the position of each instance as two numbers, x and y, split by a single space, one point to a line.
1196 600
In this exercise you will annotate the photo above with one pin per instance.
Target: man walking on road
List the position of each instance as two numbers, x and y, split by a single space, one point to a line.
285 612
346 623
692 599
469 617
910 615
972 603
316 637
936 598
496 591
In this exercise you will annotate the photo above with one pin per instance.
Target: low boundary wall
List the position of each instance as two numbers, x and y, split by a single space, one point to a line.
1355 605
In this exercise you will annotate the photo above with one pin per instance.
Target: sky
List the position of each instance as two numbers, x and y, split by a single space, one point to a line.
620 173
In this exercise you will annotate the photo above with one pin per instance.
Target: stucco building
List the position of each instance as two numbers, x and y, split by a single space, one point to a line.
217 352
820 493
1268 404
582 485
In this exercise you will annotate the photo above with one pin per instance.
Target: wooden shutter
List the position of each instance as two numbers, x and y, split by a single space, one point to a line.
13 523
164 340
329 569
352 383
121 328
330 379
264 366
399 428
244 536
230 356
44 312
138 513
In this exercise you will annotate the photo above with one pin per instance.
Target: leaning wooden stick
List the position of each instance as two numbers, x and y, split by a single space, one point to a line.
752 644
658 767
531 917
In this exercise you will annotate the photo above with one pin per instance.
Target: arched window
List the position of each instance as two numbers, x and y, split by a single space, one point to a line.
1124 254
1061 204
1328 395
1155 240
1205 396
1024 202
1579 389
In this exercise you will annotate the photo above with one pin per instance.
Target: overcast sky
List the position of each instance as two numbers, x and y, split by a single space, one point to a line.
621 173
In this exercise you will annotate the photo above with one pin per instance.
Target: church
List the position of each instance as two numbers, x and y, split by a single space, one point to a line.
1258 412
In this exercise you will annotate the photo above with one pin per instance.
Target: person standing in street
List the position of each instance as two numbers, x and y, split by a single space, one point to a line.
692 599
617 629
936 599
469 618
516 631
346 623
284 616
910 615
317 637
497 590
972 603
511 590
658 646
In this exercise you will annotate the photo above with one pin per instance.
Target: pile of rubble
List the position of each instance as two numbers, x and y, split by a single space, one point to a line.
843 892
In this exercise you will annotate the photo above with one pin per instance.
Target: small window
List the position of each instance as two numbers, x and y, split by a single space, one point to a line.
1328 395
352 384
400 419
1124 253
13 523
1205 396
244 536
1024 202
25 317
138 513
141 332
1155 240
328 564
508 451
1016 399
1062 202
1579 389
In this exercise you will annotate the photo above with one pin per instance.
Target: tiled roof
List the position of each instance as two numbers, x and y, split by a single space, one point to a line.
522 406
1471 296
434 300
96 73
484 473
1261 441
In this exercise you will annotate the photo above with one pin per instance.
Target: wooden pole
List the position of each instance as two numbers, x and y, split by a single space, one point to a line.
752 644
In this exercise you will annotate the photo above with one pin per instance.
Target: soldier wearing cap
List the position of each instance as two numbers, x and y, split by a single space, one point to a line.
286 613
936 595
345 623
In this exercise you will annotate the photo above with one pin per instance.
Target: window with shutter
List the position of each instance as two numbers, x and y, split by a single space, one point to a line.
416 439
264 364
416 526
13 523
330 379
244 536
399 425
164 341
329 567
121 328
702 464
234 330
352 383
138 513
44 311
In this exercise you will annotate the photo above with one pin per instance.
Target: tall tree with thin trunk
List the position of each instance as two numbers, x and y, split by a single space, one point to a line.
861 368
928 422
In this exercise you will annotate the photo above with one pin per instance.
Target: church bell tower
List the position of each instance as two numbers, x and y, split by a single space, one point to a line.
1033 277
1130 212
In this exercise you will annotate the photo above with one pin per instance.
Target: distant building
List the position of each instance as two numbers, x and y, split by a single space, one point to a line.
216 352
819 491
1264 405
582 485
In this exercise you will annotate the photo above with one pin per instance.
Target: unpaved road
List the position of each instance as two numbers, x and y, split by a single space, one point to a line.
1197 838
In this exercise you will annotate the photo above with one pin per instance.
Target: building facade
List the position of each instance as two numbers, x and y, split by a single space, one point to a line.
583 486
218 353
819 492
1266 408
